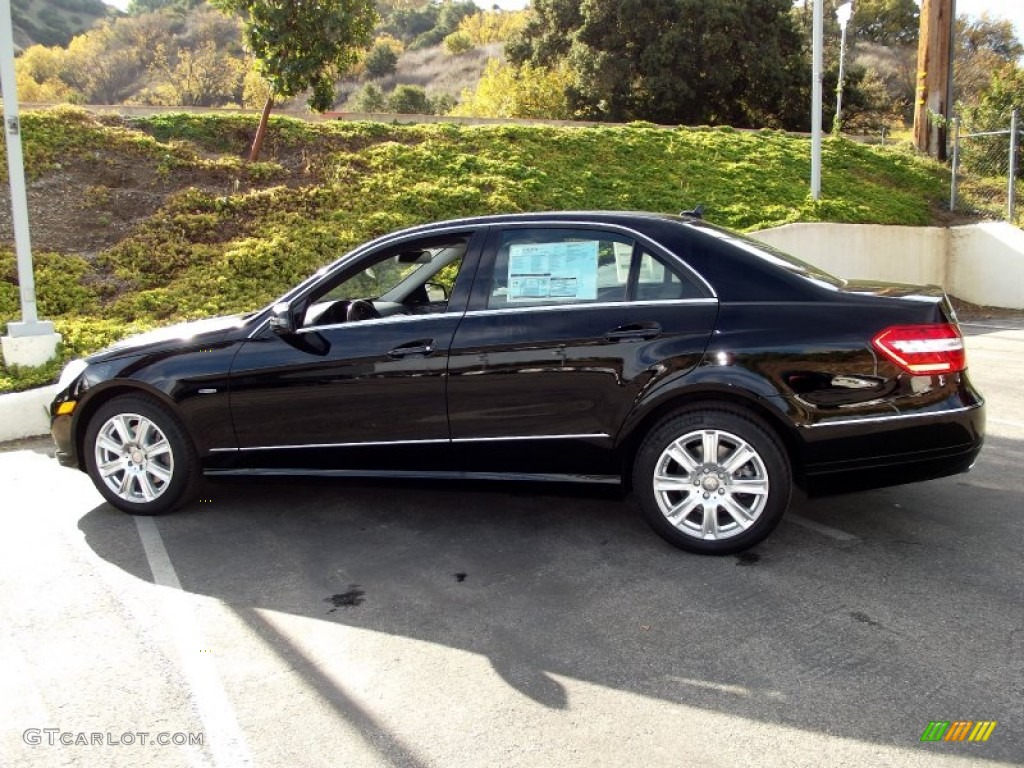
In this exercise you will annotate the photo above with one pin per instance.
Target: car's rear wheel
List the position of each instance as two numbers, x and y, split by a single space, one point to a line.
139 456
712 480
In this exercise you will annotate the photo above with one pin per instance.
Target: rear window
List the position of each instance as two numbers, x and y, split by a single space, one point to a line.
774 256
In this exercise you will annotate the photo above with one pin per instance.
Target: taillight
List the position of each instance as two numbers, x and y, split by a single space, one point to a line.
923 349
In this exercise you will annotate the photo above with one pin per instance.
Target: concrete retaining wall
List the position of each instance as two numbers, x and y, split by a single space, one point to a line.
24 414
980 263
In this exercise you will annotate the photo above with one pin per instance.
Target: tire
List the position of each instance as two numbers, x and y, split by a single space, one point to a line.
139 456
695 504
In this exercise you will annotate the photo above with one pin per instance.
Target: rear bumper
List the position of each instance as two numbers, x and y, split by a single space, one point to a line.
893 450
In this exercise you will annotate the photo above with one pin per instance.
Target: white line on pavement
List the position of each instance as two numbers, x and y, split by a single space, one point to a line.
1006 422
223 735
993 327
824 530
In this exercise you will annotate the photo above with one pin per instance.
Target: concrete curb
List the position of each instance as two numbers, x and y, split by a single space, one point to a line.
25 414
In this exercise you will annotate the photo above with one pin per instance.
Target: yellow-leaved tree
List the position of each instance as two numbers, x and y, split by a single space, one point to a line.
39 72
509 91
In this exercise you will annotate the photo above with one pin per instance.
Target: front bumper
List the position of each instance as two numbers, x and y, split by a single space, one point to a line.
63 437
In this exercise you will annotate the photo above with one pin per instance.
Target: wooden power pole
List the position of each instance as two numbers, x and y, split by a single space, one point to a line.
932 109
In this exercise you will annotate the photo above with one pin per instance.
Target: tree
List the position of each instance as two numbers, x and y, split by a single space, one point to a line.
139 7
450 14
409 100
458 43
201 77
103 70
369 99
888 22
984 47
39 75
493 26
737 62
505 90
381 60
302 44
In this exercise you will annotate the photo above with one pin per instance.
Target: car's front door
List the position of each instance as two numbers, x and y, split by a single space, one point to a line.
350 389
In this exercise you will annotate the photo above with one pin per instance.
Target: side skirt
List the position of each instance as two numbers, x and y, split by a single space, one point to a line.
417 475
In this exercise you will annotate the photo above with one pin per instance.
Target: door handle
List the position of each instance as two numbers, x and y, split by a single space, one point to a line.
634 332
423 347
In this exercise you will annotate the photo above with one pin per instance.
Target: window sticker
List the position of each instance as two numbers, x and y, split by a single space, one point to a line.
553 271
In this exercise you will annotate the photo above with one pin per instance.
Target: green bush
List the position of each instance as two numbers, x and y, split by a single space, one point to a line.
409 100
381 60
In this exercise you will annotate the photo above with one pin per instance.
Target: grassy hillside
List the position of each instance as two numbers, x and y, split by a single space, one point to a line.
53 22
142 221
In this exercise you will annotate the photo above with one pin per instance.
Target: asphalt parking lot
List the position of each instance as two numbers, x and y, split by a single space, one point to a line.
374 624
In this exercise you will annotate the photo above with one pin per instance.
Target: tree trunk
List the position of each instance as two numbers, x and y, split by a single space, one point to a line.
261 131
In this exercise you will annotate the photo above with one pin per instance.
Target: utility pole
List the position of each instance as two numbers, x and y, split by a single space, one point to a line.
816 69
32 341
932 108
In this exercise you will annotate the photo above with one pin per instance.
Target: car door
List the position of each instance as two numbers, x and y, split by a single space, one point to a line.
566 327
343 392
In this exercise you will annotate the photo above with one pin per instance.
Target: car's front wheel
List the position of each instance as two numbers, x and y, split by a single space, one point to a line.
139 456
712 480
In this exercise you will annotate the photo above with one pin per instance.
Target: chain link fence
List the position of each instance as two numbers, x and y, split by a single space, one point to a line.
986 171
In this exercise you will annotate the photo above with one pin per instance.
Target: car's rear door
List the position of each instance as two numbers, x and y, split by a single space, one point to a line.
567 324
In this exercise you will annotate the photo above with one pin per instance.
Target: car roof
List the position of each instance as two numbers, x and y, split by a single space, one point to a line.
636 219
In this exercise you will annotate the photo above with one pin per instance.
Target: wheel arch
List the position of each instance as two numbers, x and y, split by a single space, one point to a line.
102 396
639 425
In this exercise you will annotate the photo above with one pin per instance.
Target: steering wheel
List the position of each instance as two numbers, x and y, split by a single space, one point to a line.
358 309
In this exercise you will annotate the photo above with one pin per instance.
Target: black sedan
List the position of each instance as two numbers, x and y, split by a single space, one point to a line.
706 371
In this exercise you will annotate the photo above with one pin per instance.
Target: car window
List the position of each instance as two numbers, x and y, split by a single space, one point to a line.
413 278
658 282
537 267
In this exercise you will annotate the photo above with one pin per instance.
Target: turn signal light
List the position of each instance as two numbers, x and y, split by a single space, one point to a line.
923 349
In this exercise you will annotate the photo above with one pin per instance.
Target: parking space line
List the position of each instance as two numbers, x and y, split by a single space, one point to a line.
223 735
990 327
824 530
1006 422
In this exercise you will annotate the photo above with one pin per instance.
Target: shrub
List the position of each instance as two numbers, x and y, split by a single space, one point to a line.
409 100
457 43
381 60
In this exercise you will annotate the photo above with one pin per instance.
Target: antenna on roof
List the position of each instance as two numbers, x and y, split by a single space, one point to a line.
696 213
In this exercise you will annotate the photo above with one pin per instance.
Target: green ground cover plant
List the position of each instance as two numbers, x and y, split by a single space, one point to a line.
226 236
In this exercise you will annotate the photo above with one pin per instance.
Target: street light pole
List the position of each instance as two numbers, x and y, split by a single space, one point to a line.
816 66
29 342
843 14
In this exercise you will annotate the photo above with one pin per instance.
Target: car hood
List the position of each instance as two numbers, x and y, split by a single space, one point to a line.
205 331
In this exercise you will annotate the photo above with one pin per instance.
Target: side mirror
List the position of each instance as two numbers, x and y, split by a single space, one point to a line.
282 319
436 293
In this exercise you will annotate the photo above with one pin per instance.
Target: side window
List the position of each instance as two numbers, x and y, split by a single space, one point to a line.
658 282
413 278
538 267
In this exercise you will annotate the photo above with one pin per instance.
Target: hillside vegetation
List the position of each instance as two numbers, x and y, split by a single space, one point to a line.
142 221
53 22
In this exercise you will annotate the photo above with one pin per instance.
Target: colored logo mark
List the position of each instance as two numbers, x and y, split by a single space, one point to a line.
959 730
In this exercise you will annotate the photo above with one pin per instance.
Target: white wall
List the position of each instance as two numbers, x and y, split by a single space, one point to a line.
986 264
23 414
980 263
